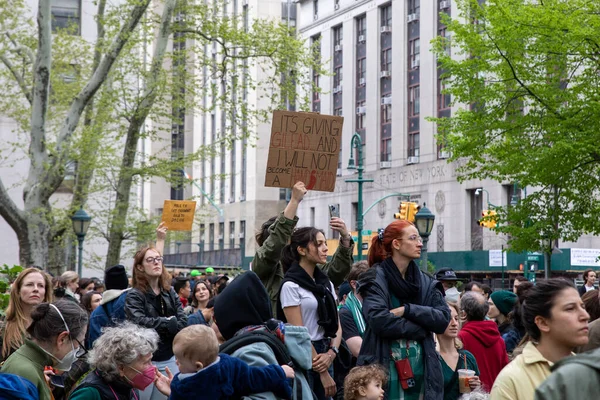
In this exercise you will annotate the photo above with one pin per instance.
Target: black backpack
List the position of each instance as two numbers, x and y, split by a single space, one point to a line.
264 335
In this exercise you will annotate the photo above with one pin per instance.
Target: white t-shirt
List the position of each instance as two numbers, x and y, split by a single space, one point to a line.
293 295
588 288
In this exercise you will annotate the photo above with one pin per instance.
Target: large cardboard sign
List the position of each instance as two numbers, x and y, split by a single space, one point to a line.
304 147
178 215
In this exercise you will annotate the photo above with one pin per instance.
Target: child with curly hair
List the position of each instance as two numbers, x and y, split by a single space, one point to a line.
365 383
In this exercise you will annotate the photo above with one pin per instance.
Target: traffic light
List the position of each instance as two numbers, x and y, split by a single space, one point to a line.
407 211
403 211
489 219
413 209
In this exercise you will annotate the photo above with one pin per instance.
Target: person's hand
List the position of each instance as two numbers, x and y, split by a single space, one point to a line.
474 382
161 231
289 371
48 372
328 384
298 192
338 224
321 362
163 383
398 312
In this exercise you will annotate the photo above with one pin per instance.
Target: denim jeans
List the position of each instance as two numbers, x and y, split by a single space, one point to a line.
151 392
314 379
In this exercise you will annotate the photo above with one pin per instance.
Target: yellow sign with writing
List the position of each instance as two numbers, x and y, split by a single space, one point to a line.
178 215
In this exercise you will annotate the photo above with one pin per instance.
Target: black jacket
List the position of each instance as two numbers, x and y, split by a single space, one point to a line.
145 309
105 389
428 313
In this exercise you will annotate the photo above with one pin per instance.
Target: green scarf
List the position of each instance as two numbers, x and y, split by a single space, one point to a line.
355 306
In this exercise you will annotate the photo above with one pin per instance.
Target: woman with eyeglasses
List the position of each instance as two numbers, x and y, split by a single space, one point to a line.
31 288
55 336
152 303
403 308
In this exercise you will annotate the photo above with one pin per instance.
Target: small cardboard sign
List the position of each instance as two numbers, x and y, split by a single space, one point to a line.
304 147
178 215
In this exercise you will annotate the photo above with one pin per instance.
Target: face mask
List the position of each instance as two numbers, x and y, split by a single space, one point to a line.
452 294
65 363
143 379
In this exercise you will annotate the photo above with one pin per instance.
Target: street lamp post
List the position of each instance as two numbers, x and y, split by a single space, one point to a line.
424 220
81 223
356 143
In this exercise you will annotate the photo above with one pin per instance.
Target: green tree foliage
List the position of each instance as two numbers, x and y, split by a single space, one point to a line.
526 77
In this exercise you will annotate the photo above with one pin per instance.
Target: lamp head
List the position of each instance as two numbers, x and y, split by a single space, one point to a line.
478 192
351 164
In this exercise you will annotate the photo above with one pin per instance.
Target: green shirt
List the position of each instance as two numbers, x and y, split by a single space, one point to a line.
402 349
29 362
451 391
269 270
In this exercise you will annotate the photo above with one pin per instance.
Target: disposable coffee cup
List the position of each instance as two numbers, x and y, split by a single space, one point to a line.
463 380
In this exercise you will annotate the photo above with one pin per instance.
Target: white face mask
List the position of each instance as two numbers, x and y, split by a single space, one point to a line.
67 361
452 294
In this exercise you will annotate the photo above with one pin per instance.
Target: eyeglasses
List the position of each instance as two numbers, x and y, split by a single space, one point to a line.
414 238
81 351
153 260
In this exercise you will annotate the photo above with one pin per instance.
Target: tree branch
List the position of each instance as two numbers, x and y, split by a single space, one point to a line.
519 81
10 212
99 76
18 77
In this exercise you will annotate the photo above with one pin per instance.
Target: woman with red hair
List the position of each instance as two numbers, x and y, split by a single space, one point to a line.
152 303
403 308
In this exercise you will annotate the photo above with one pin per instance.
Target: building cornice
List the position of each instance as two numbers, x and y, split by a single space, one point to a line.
332 16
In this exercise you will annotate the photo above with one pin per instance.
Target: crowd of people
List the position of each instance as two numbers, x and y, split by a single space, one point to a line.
299 327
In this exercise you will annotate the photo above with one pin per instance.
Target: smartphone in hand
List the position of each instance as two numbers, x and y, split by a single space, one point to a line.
334 210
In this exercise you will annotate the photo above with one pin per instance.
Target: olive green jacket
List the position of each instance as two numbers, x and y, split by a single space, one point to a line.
29 362
269 270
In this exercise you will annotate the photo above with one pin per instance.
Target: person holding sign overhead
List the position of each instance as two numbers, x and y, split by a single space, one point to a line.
275 234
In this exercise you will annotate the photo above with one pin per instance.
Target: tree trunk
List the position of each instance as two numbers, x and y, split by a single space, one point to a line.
119 215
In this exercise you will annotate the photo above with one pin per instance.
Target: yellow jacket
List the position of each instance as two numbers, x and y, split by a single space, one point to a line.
519 379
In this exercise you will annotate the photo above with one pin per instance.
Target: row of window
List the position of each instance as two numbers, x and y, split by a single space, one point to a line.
413 105
209 236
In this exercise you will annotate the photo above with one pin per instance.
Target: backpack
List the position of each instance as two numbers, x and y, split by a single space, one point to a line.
14 387
263 334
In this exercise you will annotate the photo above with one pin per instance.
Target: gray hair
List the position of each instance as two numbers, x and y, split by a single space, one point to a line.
474 305
121 345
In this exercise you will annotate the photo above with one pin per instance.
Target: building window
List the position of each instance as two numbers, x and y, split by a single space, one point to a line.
386 60
221 235
211 237
414 6
338 35
386 149
361 71
386 15
360 116
316 8
338 111
316 95
66 14
337 77
414 53
386 114
413 144
414 101
444 99
361 29
232 234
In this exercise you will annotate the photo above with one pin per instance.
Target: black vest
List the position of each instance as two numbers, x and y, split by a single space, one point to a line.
122 390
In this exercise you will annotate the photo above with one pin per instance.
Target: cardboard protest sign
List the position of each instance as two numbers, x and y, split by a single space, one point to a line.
304 147
178 215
